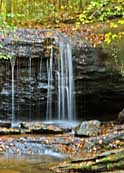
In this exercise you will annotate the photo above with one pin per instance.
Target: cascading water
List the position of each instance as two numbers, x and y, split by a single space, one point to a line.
13 91
65 82
49 76
50 79
30 63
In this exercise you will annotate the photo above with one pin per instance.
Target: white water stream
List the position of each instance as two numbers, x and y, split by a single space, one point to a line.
13 91
65 80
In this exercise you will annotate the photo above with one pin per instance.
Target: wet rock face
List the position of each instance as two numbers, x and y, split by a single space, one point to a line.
30 90
98 90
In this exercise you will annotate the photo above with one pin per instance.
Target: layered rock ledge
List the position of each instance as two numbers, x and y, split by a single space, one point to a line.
99 90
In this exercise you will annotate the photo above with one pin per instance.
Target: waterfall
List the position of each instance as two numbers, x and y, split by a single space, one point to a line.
50 79
30 78
40 76
65 82
49 96
13 91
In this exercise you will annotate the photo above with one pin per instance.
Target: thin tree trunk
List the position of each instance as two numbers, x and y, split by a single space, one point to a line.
8 10
8 6
0 6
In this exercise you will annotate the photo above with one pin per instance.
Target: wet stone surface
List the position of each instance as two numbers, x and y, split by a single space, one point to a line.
64 142
109 140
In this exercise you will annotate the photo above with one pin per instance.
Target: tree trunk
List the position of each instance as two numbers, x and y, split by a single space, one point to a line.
0 6
8 10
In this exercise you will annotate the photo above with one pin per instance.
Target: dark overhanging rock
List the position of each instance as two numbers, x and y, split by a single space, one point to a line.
99 89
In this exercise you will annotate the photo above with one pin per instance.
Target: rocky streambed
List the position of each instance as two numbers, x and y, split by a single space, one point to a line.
90 146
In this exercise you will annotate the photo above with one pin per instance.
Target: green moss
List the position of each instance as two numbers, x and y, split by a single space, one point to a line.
85 166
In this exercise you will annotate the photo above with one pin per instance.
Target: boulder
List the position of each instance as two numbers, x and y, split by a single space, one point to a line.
89 128
120 118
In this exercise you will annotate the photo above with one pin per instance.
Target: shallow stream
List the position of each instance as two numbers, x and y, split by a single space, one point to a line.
27 164
29 153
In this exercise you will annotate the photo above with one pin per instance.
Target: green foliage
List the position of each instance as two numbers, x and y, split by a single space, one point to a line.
84 166
101 11
56 11
7 57
114 43
4 28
